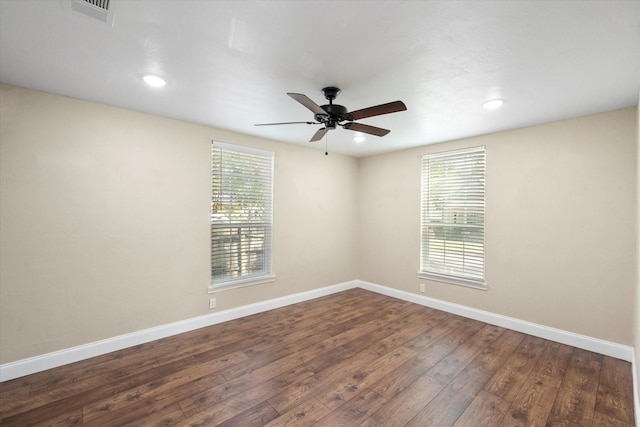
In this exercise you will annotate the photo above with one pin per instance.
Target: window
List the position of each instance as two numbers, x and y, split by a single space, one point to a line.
241 214
452 217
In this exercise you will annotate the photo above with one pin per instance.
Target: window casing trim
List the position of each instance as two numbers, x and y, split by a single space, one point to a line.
243 149
241 283
453 280
460 280
226 283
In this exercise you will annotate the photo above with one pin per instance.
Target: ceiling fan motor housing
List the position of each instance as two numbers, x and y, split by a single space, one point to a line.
335 113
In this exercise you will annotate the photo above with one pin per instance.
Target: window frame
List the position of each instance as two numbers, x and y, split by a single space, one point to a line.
230 282
455 278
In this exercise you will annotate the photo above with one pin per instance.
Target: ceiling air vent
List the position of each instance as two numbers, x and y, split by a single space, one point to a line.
98 9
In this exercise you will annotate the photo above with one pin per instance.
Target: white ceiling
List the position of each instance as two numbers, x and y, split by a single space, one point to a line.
229 64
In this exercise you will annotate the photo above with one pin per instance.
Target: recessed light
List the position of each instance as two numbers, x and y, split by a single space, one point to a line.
358 138
154 81
493 104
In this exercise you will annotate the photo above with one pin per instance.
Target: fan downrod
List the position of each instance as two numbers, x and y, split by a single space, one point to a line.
335 113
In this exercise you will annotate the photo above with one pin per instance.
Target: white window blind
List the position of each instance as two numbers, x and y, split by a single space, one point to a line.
241 213
452 215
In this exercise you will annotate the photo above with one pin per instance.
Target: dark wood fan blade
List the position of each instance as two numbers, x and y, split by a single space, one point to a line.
318 135
286 123
378 110
372 130
304 100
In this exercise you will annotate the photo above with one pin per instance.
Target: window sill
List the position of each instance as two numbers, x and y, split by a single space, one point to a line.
240 283
453 280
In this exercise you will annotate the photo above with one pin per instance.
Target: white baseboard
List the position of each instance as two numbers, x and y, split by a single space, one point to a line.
43 362
584 342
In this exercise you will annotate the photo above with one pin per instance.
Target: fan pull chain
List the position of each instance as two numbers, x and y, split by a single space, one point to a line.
326 142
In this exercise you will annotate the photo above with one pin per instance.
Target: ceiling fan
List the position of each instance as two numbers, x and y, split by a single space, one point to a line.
333 115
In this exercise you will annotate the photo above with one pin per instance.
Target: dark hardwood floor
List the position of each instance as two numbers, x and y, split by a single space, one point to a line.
355 358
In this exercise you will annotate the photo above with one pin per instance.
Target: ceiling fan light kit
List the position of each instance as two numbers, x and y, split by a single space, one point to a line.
333 115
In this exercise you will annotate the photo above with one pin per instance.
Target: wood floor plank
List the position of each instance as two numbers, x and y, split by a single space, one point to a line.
214 396
256 416
336 371
14 391
487 363
509 379
383 326
305 414
169 416
13 394
142 409
402 377
554 359
347 343
213 407
268 323
322 381
345 389
271 351
76 384
464 327
405 329
602 420
161 386
354 411
236 341
259 393
68 381
450 366
330 349
365 317
534 402
350 358
496 353
403 406
329 358
615 395
71 377
432 347
298 393
486 410
339 320
576 398
54 376
453 400
39 408
68 418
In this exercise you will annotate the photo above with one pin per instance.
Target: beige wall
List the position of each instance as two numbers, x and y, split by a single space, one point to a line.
104 221
560 240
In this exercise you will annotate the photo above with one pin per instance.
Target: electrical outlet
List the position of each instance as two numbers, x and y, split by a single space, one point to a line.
422 287
212 303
